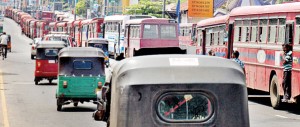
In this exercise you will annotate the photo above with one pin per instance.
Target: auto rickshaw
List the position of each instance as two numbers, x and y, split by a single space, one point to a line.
102 44
46 64
175 91
81 74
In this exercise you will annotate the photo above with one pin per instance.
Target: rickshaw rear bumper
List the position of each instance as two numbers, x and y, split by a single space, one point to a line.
41 74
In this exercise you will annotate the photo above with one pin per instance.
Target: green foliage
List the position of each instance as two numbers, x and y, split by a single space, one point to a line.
80 7
147 7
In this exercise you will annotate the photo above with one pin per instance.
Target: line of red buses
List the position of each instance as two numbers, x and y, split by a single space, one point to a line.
258 33
143 36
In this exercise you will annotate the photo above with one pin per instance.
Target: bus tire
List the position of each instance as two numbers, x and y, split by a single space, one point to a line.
274 93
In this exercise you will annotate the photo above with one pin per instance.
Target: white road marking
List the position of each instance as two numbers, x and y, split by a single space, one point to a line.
281 116
3 102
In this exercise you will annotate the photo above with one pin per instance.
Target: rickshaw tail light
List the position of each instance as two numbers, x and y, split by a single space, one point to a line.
99 85
65 84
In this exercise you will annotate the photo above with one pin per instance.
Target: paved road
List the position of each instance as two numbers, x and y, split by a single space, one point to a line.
28 105
24 104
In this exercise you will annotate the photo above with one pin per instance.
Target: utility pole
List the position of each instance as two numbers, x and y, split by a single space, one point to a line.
74 12
164 9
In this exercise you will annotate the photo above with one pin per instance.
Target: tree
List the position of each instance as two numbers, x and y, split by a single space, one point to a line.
81 7
147 7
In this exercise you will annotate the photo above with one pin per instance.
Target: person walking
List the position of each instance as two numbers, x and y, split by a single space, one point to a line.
4 41
287 68
235 56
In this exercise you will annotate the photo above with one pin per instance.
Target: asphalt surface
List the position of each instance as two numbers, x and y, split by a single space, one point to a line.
30 105
23 104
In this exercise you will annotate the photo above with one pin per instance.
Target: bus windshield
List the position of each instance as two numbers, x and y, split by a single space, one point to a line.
166 31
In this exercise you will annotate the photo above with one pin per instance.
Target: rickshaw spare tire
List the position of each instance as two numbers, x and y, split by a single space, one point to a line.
32 57
274 93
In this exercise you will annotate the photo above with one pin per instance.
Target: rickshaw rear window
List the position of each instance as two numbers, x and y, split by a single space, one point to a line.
104 47
51 52
82 65
183 107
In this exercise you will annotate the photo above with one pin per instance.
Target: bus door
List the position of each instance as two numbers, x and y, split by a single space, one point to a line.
203 32
126 43
230 41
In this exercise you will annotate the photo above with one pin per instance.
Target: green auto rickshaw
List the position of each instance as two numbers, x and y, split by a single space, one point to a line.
81 73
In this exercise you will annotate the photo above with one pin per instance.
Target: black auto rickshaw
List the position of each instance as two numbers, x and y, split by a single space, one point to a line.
176 91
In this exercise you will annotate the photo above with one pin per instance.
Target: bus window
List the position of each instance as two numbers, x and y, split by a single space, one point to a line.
221 35
208 38
272 30
150 31
296 40
281 31
254 24
263 30
237 31
199 37
138 32
168 31
216 36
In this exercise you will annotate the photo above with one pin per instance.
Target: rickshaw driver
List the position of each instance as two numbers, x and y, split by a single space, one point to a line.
4 40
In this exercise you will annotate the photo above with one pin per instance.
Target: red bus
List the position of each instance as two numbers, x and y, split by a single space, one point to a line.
61 27
186 37
45 15
77 27
8 12
187 31
258 33
32 29
53 26
15 14
42 28
151 36
70 27
91 28
23 18
212 35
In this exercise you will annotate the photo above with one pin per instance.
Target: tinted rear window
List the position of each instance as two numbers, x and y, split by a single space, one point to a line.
174 107
83 64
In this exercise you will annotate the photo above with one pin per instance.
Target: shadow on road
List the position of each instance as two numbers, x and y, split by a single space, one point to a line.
78 109
288 107
47 84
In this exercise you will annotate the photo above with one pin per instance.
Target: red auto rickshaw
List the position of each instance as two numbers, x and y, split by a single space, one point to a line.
46 65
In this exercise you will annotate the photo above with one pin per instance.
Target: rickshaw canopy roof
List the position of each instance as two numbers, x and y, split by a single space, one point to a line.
81 52
177 69
98 40
51 44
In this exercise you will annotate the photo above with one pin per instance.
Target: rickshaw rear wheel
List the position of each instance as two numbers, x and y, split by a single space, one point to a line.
59 107
274 93
36 82
50 81
75 104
